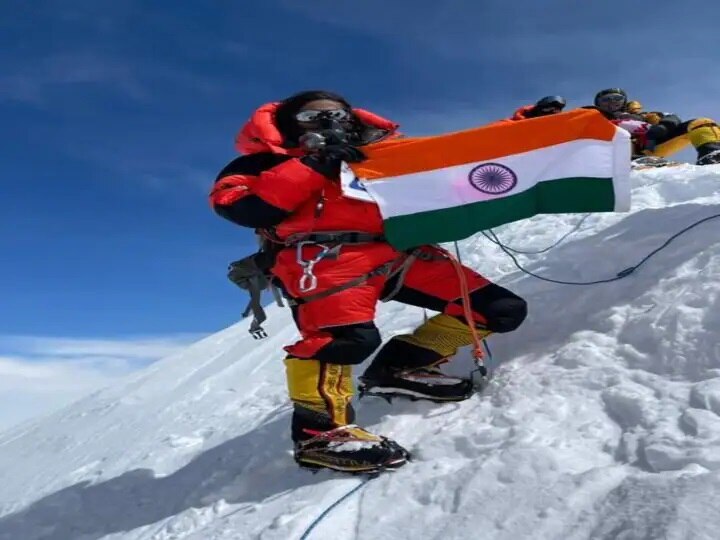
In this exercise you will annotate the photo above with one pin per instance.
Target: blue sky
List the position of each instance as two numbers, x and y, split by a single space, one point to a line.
116 117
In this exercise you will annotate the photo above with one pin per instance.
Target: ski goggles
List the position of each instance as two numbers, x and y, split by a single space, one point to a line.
611 98
311 115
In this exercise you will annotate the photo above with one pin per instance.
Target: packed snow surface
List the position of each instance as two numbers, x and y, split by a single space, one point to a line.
602 420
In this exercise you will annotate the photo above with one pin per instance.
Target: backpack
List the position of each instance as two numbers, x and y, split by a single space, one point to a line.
252 274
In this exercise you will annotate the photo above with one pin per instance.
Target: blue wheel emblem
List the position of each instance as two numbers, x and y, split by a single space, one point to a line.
492 178
355 184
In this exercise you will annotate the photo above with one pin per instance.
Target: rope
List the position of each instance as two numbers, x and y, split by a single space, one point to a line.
318 519
563 237
479 343
400 272
467 309
620 275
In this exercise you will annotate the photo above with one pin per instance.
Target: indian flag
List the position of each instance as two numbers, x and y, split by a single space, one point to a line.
448 187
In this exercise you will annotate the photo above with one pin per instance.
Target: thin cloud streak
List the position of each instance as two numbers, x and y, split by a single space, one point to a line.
36 82
39 375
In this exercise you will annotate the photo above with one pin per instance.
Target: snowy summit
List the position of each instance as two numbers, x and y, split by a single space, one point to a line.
602 420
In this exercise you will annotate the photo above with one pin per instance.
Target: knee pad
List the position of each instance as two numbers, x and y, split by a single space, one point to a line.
351 344
503 310
506 314
702 131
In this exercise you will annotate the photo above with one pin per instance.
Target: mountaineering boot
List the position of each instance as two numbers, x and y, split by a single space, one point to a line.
321 443
407 365
704 134
349 449
418 383
711 157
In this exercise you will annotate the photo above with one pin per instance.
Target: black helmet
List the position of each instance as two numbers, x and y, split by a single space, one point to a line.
607 91
551 102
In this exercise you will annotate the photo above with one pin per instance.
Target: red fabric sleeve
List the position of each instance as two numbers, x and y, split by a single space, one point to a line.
521 112
285 186
288 185
231 189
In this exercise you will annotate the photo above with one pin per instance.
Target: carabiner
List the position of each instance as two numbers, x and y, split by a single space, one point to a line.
307 276
308 281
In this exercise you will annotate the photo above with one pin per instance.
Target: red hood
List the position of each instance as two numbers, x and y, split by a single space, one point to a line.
522 111
260 134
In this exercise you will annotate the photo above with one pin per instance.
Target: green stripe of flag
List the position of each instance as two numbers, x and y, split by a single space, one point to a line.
565 195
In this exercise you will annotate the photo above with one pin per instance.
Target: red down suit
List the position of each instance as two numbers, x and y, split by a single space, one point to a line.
271 188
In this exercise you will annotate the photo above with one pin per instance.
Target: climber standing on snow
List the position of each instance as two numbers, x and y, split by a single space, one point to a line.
333 264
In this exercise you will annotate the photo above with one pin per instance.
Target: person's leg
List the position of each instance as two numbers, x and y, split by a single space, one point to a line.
669 136
319 379
434 285
704 135
319 365
495 310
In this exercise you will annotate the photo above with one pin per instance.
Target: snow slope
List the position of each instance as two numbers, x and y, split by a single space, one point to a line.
602 422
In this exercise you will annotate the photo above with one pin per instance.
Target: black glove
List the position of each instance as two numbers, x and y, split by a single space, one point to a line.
342 152
327 160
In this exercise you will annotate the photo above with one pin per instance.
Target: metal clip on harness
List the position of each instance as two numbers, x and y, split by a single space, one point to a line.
308 281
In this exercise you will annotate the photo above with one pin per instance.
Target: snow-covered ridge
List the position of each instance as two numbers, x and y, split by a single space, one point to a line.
602 422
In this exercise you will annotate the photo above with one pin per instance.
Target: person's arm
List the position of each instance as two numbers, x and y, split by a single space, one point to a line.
261 190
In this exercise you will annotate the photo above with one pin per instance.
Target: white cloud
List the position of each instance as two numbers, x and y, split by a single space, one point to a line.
35 80
39 375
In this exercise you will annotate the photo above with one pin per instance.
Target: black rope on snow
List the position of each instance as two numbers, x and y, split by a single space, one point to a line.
620 275
509 251
318 519
563 237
